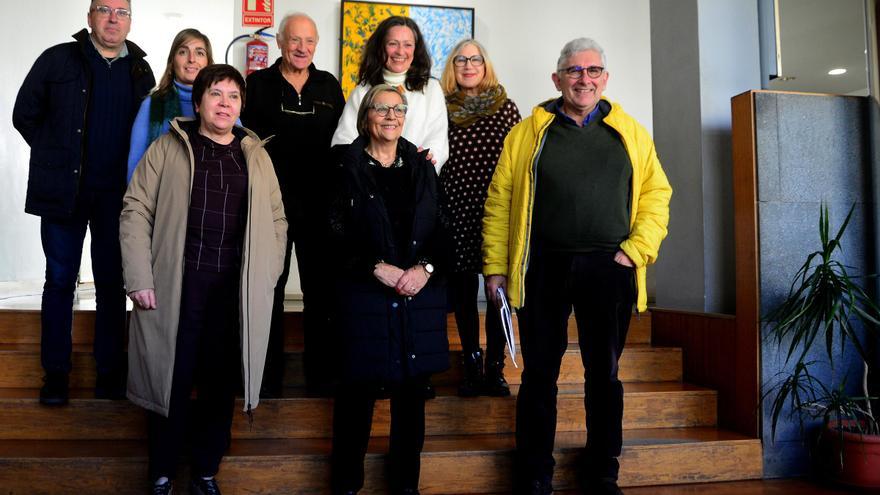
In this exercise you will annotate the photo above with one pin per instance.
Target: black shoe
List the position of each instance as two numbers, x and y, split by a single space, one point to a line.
199 486
110 386
495 384
541 486
163 489
598 473
429 391
472 383
606 486
321 389
409 491
55 389
270 391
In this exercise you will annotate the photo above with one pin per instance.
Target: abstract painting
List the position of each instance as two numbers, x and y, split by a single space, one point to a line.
442 28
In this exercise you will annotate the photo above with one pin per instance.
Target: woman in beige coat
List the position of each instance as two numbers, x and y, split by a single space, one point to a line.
203 233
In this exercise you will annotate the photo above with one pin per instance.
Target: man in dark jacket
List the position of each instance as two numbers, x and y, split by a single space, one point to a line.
299 105
75 110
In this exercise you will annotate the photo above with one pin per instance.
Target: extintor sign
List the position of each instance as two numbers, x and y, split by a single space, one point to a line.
257 13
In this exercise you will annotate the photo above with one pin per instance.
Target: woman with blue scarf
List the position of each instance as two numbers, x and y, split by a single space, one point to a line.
190 53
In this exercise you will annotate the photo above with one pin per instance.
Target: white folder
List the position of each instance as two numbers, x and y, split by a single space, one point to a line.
507 324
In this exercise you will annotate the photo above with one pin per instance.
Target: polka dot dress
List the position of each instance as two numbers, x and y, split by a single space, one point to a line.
465 178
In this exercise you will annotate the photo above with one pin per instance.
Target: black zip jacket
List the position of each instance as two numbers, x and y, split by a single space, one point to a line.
51 112
302 125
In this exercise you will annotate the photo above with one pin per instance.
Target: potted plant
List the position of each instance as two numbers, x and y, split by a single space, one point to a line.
827 305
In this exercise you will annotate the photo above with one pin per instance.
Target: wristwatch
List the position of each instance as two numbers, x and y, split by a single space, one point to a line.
429 268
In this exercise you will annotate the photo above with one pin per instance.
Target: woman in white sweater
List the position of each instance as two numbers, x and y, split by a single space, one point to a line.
396 54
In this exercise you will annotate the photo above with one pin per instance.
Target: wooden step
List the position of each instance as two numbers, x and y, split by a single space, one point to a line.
647 405
455 464
639 363
639 329
23 327
20 366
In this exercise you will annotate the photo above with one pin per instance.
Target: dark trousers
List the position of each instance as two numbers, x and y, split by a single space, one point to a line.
62 244
602 293
316 313
208 357
464 288
352 422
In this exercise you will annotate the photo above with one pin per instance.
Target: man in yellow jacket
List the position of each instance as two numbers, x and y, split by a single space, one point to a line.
577 209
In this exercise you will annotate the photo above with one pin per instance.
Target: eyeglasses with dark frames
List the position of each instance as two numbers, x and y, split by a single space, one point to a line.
576 72
382 109
461 60
105 11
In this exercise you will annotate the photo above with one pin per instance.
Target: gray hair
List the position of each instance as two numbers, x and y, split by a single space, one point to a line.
367 102
93 2
576 46
282 26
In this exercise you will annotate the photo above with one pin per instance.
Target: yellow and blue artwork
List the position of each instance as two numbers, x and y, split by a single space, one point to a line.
442 28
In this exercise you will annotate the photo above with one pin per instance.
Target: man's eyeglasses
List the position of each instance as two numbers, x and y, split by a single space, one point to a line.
576 72
382 109
105 11
461 60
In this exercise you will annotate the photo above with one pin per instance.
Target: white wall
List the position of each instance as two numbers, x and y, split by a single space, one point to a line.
522 36
695 270
24 37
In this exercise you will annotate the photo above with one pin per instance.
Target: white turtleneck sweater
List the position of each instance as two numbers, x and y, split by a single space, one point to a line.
426 124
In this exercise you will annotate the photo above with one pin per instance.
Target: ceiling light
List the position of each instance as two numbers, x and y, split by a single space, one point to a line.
836 72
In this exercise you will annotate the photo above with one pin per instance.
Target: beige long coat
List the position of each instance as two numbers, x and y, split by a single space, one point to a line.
152 233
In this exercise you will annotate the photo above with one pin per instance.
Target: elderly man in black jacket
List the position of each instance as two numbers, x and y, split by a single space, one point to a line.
299 105
75 110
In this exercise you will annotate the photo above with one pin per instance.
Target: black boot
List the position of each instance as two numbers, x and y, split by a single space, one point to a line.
429 391
110 385
539 486
55 389
496 385
472 383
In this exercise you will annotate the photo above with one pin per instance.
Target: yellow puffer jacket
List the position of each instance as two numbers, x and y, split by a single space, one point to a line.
508 212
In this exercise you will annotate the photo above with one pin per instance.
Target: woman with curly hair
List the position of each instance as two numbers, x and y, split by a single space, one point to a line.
396 55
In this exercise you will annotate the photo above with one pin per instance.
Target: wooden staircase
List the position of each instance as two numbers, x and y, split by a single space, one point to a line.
98 446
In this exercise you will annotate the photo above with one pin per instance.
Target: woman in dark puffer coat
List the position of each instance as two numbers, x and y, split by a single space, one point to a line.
390 308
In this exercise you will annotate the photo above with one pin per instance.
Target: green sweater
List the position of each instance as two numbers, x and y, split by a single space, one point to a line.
582 189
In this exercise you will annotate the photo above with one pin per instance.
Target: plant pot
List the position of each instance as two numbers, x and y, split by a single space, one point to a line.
860 456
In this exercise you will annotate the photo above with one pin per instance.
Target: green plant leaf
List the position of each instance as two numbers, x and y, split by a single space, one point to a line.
823 303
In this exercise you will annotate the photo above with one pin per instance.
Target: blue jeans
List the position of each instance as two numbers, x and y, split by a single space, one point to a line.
62 244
